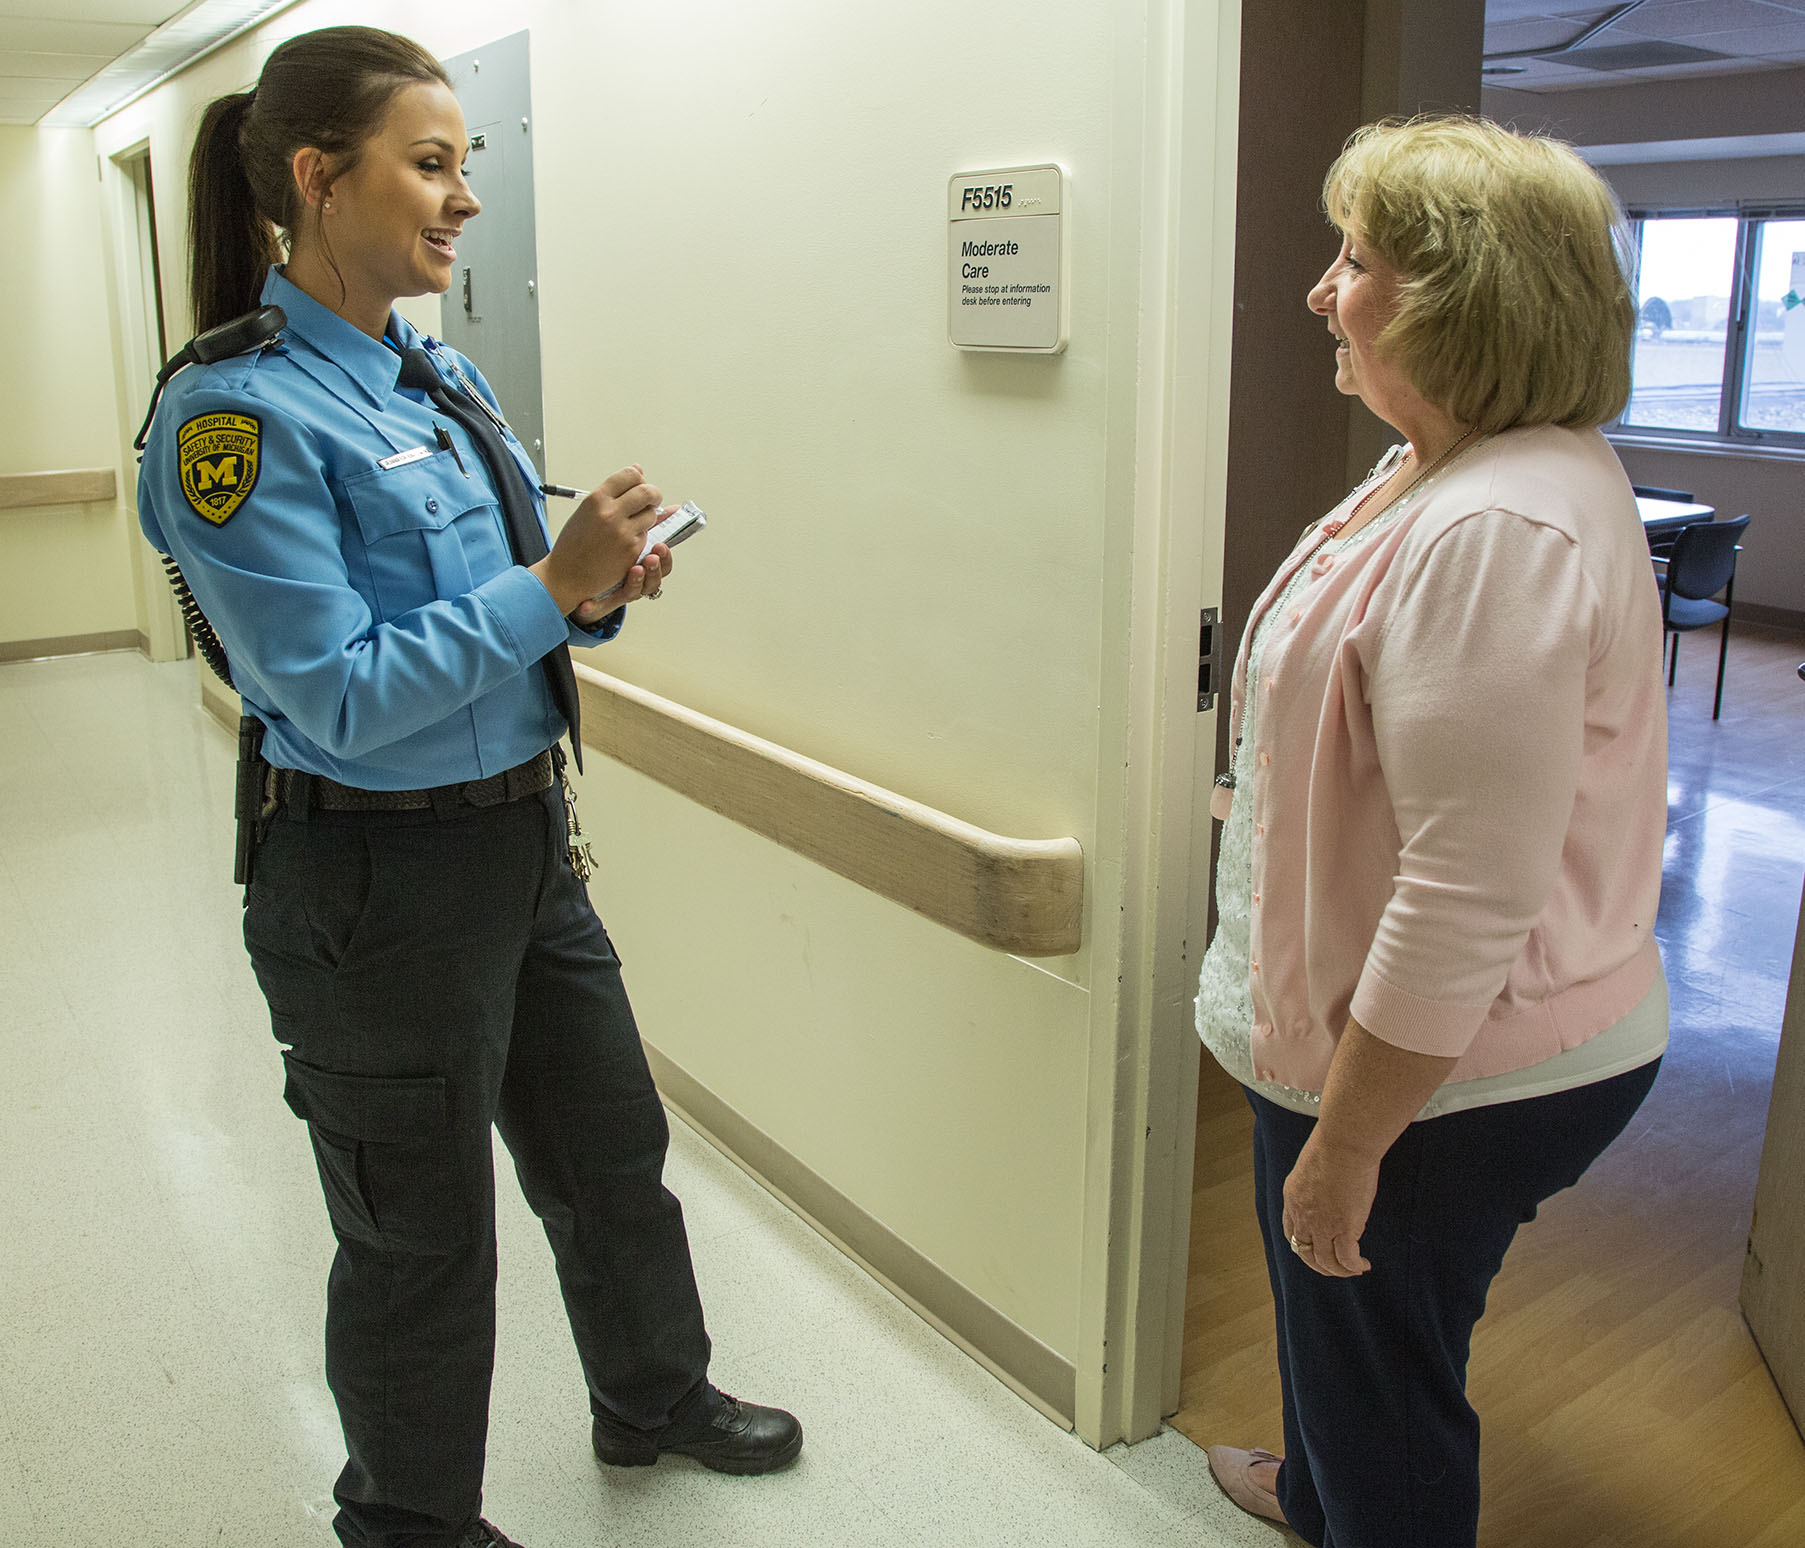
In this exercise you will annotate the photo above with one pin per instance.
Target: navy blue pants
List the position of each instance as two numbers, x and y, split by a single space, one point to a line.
431 977
1381 1444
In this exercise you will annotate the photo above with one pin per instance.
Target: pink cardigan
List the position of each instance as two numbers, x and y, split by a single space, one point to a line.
1462 770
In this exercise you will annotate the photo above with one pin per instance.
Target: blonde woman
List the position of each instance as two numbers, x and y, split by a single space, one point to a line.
1435 972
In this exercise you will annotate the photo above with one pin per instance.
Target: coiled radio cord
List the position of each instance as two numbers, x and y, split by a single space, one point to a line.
206 639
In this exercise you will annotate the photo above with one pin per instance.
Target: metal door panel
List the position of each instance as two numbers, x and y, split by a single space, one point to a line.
492 311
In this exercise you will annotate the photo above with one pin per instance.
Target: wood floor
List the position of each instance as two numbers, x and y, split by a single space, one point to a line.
1623 1401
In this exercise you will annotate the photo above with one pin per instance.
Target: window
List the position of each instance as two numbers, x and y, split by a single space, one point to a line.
1720 338
1774 398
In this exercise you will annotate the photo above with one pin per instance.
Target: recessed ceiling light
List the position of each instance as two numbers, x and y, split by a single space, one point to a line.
1647 54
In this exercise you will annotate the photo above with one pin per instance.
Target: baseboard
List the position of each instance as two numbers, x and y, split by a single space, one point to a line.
222 709
1038 1374
1771 617
69 645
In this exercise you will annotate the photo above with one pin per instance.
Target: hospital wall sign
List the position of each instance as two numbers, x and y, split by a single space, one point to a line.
1005 287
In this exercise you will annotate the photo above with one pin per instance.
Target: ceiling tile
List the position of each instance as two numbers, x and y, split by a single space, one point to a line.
46 35
1757 42
1698 71
142 14
1540 74
1754 34
76 67
1579 80
1530 32
1681 21
1513 10
17 92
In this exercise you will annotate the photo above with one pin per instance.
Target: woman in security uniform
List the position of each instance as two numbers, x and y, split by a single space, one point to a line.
349 514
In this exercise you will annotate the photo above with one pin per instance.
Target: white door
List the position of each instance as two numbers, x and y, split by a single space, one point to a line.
1774 1269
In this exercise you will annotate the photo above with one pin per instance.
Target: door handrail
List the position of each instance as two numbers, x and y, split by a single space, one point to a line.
68 486
1023 896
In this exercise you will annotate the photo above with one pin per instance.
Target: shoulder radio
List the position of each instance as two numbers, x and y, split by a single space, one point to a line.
251 803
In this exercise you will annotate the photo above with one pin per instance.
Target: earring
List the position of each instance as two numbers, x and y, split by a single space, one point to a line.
326 208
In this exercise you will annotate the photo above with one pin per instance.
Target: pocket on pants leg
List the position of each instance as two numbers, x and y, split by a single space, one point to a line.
388 1163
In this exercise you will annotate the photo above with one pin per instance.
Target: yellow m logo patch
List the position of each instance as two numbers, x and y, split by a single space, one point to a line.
218 458
220 470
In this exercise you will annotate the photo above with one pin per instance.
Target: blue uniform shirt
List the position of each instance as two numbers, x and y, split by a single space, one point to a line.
374 616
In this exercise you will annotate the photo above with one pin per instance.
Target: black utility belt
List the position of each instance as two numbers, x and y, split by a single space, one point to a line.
302 792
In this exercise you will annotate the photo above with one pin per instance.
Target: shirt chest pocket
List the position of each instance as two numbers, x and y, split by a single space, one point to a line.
428 533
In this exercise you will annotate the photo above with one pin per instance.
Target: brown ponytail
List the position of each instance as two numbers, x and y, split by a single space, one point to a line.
231 245
328 90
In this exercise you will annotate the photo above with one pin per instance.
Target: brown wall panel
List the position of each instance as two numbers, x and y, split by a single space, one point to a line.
1287 442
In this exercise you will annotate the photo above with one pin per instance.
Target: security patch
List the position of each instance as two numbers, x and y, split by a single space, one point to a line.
218 458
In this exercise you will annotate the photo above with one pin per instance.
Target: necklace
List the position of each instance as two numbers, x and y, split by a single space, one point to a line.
1446 456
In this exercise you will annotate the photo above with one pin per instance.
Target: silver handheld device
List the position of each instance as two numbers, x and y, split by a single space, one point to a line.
684 522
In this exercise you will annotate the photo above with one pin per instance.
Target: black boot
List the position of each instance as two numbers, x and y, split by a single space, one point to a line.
722 1433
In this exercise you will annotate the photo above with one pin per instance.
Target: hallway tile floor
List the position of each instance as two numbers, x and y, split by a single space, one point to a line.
162 1284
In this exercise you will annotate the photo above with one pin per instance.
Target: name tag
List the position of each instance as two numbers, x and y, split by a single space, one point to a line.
402 459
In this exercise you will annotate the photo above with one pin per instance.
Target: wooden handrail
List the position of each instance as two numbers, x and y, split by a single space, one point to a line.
71 486
1017 895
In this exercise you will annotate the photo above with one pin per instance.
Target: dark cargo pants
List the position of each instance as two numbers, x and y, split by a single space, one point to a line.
433 976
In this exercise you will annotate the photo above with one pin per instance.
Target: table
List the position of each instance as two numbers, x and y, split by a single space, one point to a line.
1662 519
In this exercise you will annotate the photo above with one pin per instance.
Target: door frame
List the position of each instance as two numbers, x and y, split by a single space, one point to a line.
1182 115
129 216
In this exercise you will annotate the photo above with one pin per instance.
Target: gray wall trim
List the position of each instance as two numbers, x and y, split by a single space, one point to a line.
1035 1372
1786 618
71 645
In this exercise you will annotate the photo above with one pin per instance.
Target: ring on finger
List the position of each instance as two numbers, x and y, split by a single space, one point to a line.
1298 1247
653 596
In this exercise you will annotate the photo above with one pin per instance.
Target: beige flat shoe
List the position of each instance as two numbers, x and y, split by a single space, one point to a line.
1234 1472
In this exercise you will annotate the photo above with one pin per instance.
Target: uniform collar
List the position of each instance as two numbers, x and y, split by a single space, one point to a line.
370 365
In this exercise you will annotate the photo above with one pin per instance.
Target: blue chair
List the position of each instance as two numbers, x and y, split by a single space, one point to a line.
1702 563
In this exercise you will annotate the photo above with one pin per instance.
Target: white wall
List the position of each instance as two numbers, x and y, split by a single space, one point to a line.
1691 185
1759 102
65 571
924 567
